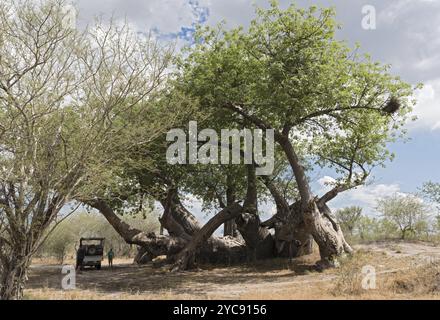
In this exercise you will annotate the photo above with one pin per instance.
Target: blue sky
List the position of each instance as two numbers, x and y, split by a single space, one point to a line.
407 37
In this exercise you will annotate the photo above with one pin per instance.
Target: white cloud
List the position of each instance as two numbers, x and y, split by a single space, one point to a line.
326 182
393 11
365 196
368 195
427 109
167 16
398 9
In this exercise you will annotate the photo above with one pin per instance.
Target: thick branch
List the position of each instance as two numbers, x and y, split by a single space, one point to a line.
129 234
185 258
298 170
176 219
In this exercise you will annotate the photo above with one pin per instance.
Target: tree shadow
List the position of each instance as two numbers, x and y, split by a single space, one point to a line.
129 278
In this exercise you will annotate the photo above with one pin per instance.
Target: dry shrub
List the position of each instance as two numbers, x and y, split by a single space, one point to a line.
420 280
350 276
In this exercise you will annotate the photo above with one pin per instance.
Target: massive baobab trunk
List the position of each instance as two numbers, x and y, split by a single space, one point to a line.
315 212
257 237
176 219
292 238
186 258
188 242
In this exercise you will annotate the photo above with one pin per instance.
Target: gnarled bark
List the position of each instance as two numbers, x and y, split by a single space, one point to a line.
186 258
176 219
257 237
292 239
259 240
317 220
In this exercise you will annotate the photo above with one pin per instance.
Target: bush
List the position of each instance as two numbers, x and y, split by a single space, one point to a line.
349 218
350 276
407 212
63 241
421 280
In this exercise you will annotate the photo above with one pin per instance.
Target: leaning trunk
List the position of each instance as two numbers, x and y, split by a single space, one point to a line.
186 258
317 220
150 245
328 239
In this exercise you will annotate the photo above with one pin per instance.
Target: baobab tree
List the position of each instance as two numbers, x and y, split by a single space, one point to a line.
326 103
329 107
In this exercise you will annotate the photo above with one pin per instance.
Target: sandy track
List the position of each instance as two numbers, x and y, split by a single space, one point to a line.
269 277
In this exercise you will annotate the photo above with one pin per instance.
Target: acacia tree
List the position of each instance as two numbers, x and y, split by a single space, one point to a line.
349 217
407 212
326 103
62 95
431 190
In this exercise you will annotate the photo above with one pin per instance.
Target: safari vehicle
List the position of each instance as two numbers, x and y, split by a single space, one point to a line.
93 250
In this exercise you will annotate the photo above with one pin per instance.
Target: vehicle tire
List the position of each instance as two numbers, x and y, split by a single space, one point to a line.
91 250
98 266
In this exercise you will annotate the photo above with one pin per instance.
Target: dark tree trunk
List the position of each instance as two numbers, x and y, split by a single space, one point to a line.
186 258
176 219
259 240
14 277
257 237
316 216
292 239
230 227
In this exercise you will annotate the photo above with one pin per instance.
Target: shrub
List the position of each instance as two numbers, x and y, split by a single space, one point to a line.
64 239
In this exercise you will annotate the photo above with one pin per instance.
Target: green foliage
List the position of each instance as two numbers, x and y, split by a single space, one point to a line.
348 218
432 191
289 71
407 212
406 217
64 240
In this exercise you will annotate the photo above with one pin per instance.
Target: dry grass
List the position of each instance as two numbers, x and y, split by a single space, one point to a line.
349 280
48 261
424 280
53 294
409 277
400 275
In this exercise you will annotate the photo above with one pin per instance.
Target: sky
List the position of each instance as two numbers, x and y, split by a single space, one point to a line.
407 36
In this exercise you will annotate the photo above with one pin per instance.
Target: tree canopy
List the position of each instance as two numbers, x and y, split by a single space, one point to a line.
84 117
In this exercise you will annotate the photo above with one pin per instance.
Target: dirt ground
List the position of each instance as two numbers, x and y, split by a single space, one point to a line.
396 265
